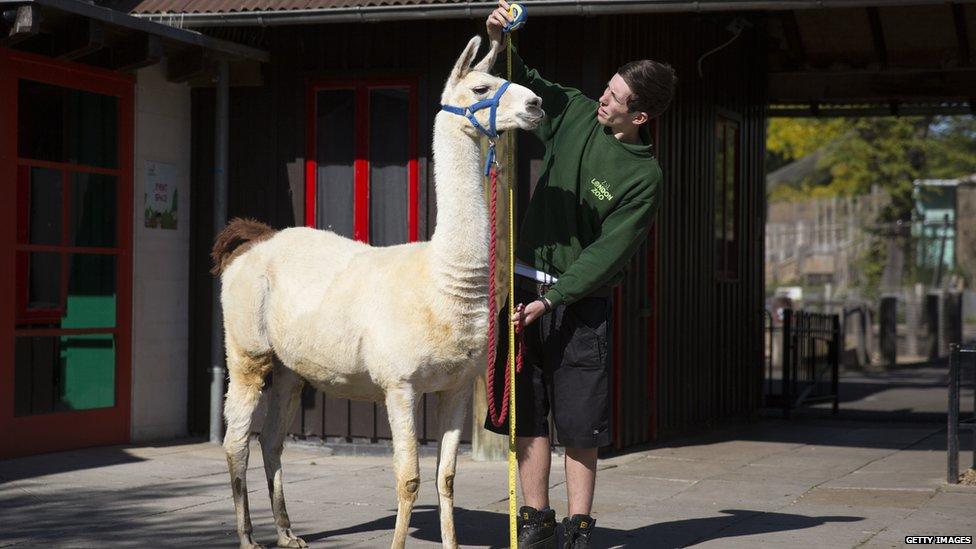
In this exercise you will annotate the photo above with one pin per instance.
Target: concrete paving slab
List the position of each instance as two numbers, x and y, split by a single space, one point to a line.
759 485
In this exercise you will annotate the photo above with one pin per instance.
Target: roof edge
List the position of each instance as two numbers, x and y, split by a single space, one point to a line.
478 9
141 24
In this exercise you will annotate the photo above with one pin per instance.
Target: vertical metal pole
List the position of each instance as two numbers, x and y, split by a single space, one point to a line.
835 366
959 353
221 138
952 444
787 360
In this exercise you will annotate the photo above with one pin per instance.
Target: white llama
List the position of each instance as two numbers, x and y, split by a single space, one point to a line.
378 324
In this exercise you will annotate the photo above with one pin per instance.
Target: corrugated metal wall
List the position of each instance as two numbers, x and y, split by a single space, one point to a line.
707 341
707 332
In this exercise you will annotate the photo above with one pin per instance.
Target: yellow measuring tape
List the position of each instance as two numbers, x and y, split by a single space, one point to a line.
512 462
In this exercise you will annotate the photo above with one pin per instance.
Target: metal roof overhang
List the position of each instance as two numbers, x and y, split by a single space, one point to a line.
367 13
828 57
96 35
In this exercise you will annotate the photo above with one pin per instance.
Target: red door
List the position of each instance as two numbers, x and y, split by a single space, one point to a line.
66 243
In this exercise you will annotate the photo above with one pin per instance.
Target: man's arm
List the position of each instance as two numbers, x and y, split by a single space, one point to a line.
555 98
623 231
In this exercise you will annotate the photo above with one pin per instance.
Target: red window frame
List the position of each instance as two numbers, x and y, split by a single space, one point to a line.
361 165
69 429
727 127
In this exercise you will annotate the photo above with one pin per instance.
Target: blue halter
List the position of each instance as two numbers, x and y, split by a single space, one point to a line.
490 131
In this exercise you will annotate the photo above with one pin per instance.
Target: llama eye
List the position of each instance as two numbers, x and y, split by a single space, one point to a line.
480 90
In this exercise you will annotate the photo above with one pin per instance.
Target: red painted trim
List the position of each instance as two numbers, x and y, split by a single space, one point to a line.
413 170
69 249
361 164
79 168
311 164
65 430
652 334
41 332
124 228
617 378
8 237
360 229
653 303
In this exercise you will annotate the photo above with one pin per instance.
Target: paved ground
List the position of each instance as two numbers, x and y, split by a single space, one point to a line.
812 482
809 483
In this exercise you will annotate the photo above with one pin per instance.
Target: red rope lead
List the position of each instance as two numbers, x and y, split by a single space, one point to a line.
498 418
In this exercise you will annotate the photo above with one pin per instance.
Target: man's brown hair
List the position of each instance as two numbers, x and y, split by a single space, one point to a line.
651 84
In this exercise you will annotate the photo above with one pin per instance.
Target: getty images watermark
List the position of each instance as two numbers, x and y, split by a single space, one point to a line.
938 540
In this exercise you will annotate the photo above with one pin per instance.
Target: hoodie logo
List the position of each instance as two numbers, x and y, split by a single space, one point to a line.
600 190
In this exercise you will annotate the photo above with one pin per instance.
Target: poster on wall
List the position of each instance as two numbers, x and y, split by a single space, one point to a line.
161 195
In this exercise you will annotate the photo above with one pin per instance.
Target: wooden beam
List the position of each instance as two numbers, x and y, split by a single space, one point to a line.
962 34
871 86
188 65
794 40
142 51
26 23
80 39
877 34
870 110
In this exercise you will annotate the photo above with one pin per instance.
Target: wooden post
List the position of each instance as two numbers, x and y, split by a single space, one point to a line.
485 445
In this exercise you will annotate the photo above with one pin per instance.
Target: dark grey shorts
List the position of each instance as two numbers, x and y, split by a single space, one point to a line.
566 370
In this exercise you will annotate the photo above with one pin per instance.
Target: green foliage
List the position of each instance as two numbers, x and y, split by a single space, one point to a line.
859 153
789 139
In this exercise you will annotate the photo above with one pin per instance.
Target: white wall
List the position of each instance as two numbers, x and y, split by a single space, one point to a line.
160 273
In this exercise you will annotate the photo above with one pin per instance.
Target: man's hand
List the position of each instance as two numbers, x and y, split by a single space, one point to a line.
531 311
497 20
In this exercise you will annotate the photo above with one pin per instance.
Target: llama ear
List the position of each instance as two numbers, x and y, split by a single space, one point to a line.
485 64
463 65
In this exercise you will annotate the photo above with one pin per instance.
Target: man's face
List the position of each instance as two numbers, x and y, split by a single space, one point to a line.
613 111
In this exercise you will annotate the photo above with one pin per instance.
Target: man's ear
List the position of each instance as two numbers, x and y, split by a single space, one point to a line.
640 118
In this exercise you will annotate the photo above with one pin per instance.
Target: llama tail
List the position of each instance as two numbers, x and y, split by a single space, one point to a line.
236 238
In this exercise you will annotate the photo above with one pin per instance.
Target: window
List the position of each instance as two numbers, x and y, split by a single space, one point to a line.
67 249
361 173
727 187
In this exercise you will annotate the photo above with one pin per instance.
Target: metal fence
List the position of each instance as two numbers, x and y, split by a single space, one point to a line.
956 354
808 361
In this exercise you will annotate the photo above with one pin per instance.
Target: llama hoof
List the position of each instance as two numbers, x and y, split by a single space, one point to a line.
291 540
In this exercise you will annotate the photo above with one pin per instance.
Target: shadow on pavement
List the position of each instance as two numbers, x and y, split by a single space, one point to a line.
486 528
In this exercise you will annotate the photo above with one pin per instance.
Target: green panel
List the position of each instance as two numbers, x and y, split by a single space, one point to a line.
88 371
89 311
91 292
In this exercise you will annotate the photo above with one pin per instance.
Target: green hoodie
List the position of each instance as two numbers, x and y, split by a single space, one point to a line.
596 197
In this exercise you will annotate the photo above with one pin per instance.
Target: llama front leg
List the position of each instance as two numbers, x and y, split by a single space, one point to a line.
452 407
400 408
243 393
282 404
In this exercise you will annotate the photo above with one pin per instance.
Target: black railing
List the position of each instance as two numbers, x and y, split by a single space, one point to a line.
811 349
956 354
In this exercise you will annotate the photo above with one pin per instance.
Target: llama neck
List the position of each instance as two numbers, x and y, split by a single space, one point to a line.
460 240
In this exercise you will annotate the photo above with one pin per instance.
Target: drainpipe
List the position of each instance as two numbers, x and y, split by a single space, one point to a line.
221 136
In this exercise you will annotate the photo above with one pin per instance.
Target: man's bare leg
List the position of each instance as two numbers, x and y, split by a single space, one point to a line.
534 461
580 479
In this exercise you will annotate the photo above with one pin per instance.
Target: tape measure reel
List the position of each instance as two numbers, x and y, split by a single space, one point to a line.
518 18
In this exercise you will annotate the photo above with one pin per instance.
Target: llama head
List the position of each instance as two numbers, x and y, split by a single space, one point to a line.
467 84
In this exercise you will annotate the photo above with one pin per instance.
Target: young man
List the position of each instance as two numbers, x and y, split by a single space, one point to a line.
591 209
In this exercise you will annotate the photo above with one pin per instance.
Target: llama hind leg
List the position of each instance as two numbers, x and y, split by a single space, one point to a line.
451 411
283 401
400 408
243 393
